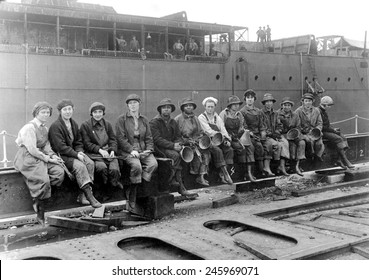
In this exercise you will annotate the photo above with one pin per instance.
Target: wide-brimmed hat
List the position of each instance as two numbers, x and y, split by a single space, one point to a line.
39 106
64 103
166 101
133 96
307 96
212 99
268 97
249 92
97 106
233 100
185 101
287 100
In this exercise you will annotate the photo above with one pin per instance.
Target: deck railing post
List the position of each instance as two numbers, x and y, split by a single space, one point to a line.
5 160
356 124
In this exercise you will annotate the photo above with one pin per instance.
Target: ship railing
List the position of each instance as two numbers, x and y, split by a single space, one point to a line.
5 160
356 118
12 48
20 48
45 50
205 58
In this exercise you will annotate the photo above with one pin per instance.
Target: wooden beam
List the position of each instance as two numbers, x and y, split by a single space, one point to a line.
225 201
76 224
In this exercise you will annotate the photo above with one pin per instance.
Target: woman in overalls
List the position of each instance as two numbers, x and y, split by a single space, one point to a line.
236 126
36 161
255 123
211 123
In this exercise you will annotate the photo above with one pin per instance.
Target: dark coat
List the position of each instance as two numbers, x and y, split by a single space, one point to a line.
326 123
62 143
125 133
91 143
288 121
165 135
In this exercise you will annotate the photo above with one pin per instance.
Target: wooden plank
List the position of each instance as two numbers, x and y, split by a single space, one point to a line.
361 251
225 201
76 224
252 248
323 226
357 174
361 182
362 221
246 186
99 212
115 219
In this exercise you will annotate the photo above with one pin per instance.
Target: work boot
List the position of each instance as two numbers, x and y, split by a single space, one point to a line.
345 159
297 168
340 163
90 197
118 185
249 173
262 173
181 189
267 168
131 194
39 207
200 180
82 199
224 176
282 167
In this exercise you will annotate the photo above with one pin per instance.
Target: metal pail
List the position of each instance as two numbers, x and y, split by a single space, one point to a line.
204 142
293 134
187 154
315 134
245 138
217 139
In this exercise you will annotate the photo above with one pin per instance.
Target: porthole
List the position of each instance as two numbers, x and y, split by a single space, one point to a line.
290 78
237 77
256 77
273 78
314 79
328 79
217 77
335 79
306 78
362 79
349 79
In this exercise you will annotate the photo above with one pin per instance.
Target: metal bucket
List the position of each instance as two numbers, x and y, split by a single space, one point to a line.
217 139
315 134
245 138
293 134
187 154
204 142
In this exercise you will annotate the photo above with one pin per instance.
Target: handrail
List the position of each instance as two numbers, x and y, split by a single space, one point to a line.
5 160
356 117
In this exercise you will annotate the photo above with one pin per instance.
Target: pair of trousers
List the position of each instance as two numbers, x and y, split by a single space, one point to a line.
141 168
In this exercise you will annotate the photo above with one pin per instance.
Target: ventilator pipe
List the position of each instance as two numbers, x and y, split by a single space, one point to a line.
217 139
245 139
293 134
187 154
204 142
315 134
